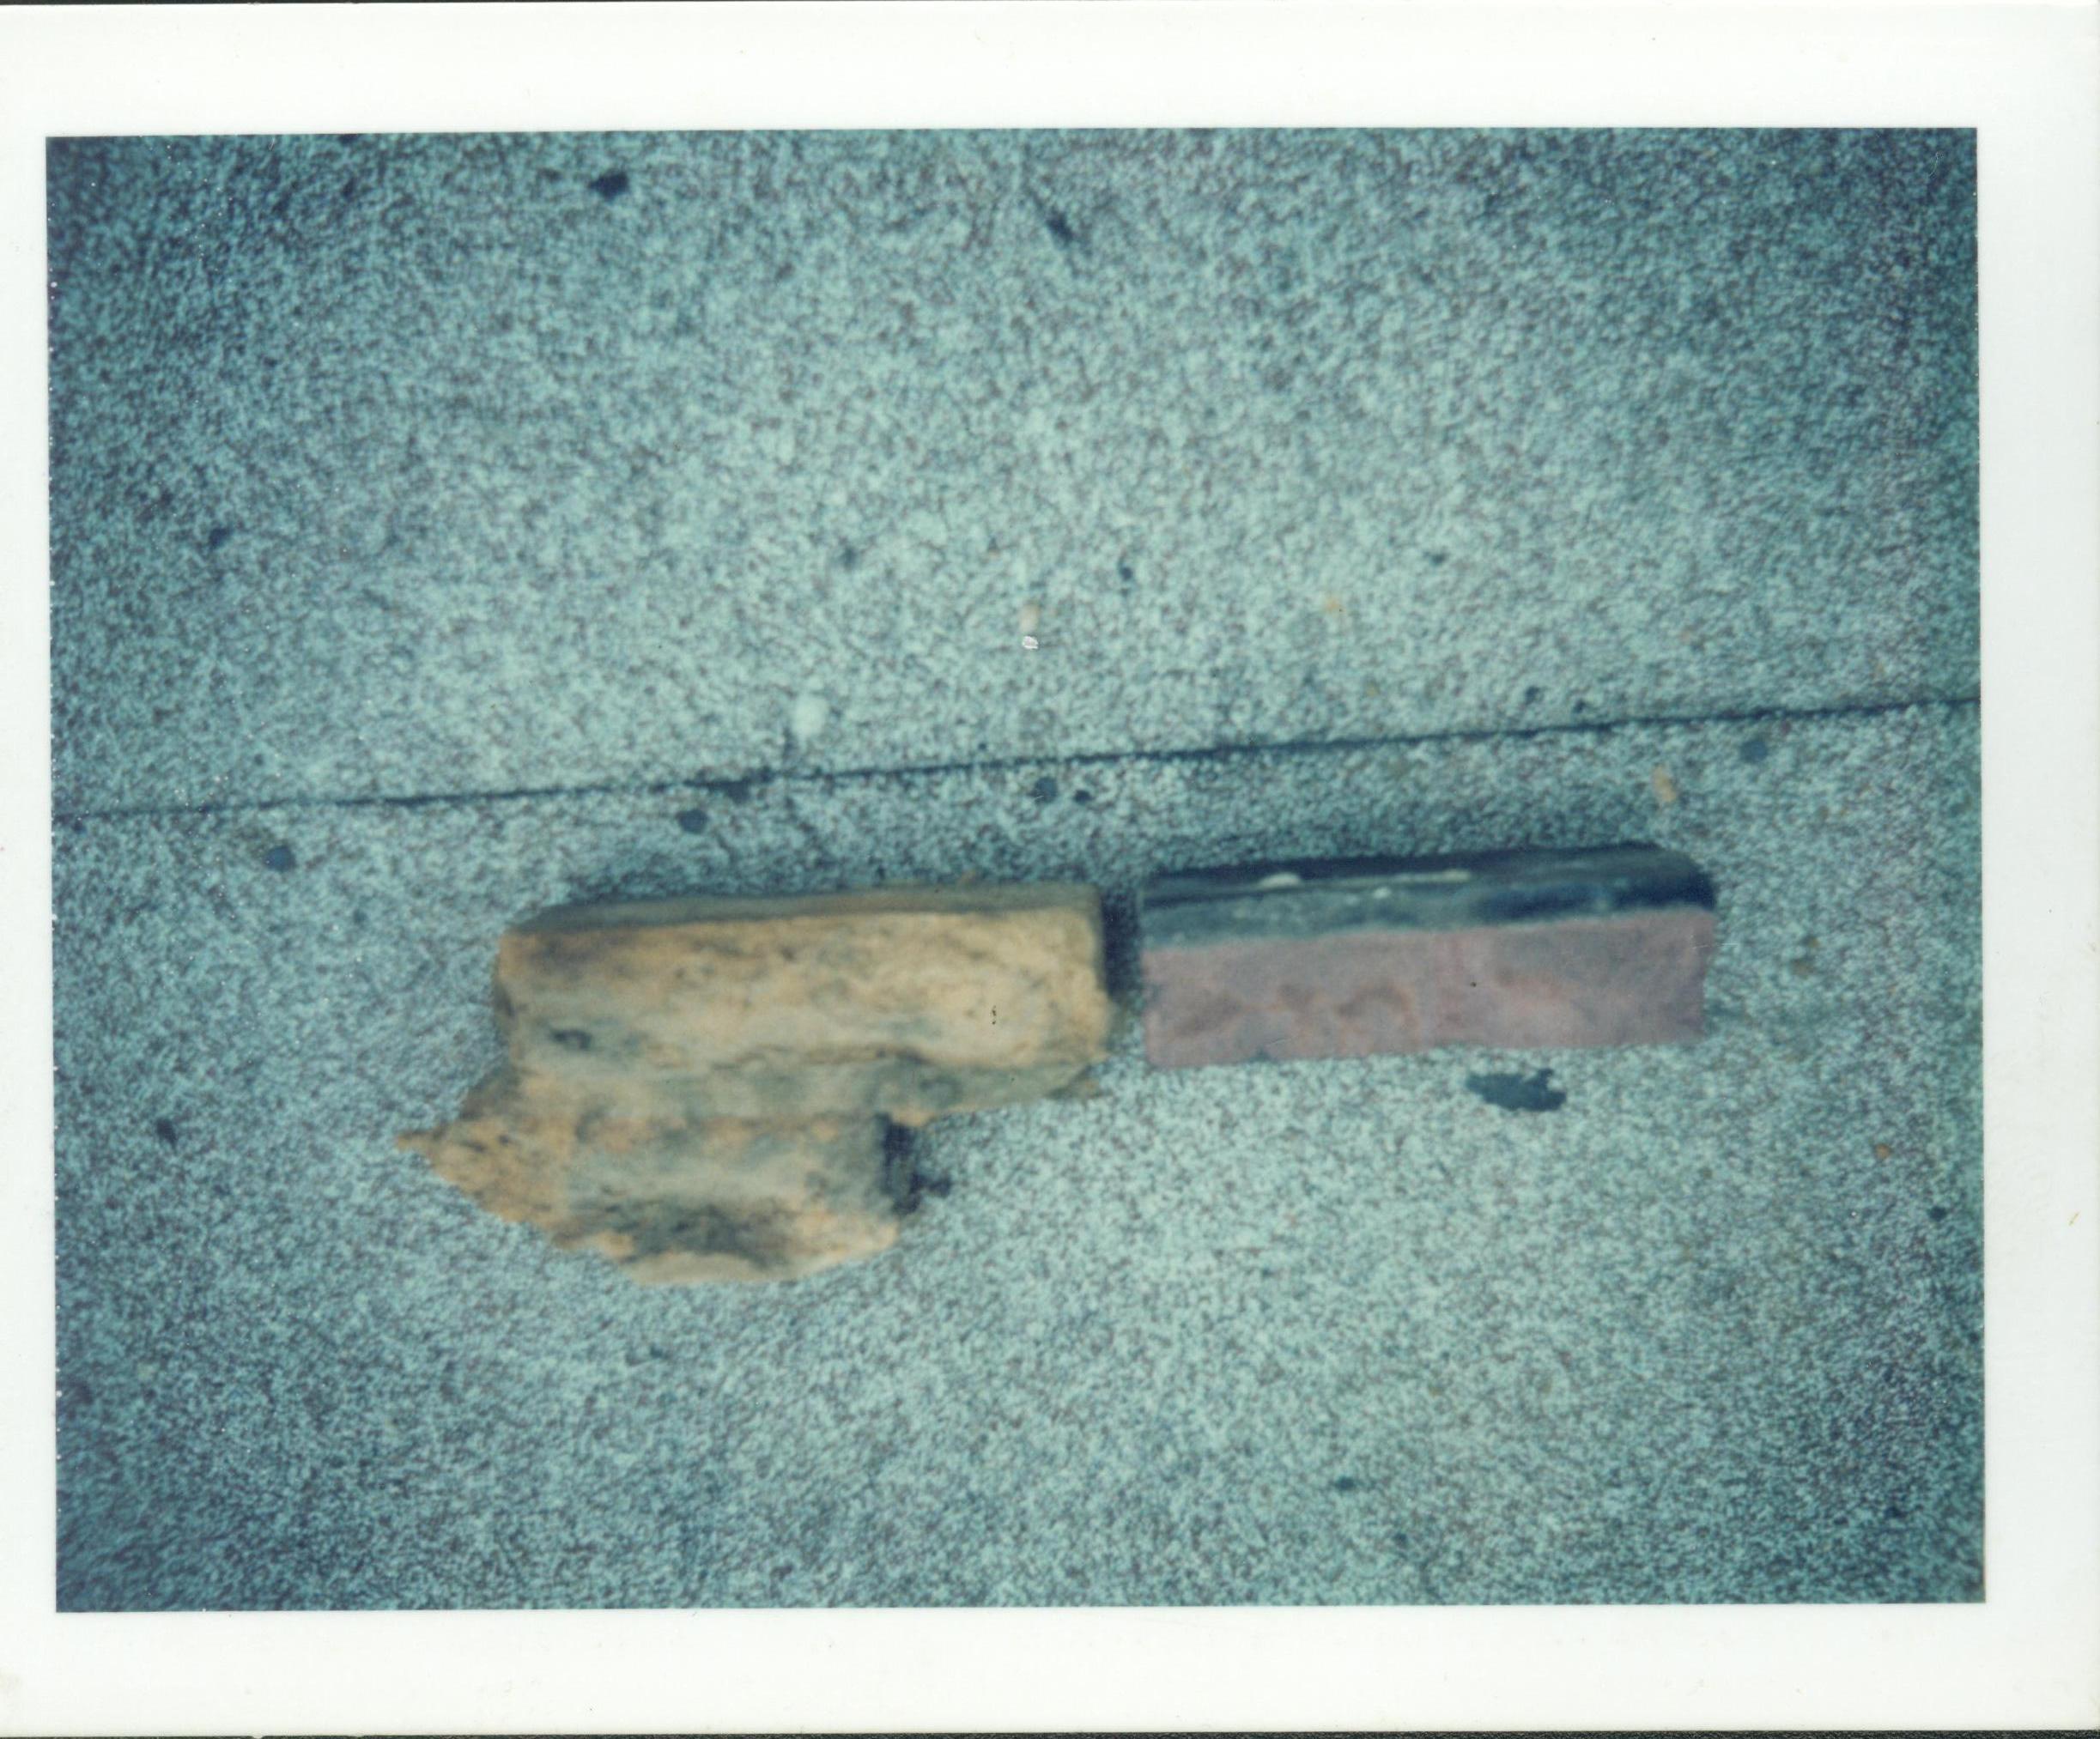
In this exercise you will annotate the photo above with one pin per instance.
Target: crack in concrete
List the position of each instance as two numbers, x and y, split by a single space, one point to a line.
743 783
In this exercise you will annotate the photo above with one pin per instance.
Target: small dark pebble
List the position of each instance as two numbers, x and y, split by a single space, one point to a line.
1345 1484
1533 695
218 537
165 1127
610 186
1044 790
1936 1213
1126 573
693 820
1082 796
1755 750
280 858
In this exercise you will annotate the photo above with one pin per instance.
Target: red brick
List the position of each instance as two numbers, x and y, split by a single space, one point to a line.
1286 989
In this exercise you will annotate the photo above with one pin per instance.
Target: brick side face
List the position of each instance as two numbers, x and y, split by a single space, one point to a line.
1282 989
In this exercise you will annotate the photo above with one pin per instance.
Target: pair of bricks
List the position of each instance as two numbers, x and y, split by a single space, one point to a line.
704 1089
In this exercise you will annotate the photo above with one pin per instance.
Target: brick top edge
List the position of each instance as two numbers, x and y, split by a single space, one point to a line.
1314 896
730 908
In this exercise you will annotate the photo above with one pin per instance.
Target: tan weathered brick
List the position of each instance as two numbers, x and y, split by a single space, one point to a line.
911 1002
699 1089
672 1198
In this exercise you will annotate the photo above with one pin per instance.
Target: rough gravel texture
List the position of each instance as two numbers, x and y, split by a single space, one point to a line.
376 458
714 485
1709 1329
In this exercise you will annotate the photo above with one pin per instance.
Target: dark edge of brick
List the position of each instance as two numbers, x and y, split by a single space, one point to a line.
1456 891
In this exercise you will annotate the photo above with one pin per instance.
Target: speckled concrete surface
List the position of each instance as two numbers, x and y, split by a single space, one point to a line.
419 464
707 486
1335 1332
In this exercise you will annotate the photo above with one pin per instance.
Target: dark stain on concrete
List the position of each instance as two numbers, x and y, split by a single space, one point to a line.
1533 1092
